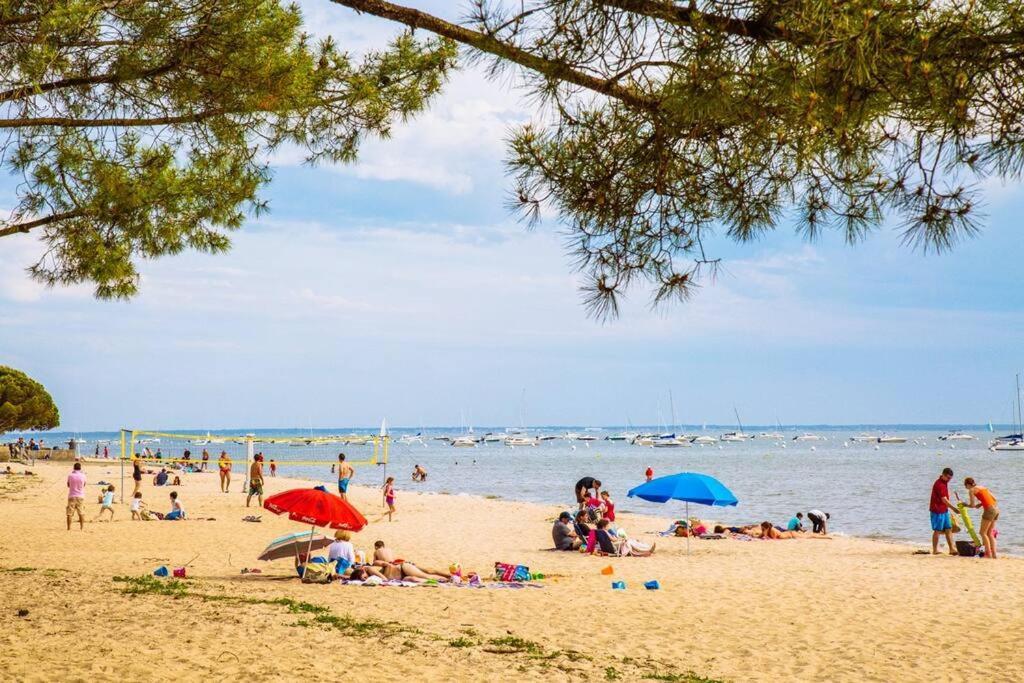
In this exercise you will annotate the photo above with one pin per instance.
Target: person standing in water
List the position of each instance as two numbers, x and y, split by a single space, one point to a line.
981 497
345 473
649 474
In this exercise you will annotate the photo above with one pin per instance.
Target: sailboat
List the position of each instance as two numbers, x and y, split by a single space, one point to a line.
738 435
776 435
1011 442
670 440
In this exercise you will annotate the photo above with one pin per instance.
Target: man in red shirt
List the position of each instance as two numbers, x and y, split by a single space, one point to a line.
940 508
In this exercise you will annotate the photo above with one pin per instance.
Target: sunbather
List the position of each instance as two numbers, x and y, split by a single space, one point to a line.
402 569
601 540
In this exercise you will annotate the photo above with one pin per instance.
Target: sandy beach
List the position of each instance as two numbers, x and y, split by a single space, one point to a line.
842 609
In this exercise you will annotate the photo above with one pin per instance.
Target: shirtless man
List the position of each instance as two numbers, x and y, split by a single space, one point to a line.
256 480
345 474
402 569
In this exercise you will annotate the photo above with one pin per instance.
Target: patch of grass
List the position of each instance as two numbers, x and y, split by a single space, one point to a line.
461 642
492 496
471 632
611 673
515 644
151 585
19 570
689 677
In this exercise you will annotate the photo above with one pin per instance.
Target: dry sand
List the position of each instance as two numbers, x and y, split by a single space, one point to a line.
837 610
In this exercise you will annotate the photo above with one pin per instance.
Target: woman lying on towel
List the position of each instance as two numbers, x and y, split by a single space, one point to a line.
602 541
393 568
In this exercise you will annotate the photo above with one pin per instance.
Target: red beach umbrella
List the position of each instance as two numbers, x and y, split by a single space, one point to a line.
317 508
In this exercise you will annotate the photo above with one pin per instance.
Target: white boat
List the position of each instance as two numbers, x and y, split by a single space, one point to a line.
463 442
703 440
885 438
624 436
806 436
1011 442
148 441
1017 445
777 436
491 437
670 441
864 437
409 439
737 435
520 441
957 435
547 437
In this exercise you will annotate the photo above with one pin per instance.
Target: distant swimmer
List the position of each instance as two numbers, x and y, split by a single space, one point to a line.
981 497
419 474
345 474
819 520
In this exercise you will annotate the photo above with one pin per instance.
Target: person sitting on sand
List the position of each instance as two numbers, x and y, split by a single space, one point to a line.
601 540
401 569
581 527
161 478
563 535
106 503
177 511
342 553
981 497
177 481
607 506
796 523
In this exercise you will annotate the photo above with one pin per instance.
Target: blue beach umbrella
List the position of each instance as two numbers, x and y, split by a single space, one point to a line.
689 487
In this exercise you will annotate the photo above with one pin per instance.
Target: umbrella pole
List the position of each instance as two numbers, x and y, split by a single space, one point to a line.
689 528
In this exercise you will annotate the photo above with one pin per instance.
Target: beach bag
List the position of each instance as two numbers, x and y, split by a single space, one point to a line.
966 549
511 572
316 572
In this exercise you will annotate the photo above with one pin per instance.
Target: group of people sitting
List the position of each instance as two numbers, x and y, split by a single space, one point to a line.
344 562
601 538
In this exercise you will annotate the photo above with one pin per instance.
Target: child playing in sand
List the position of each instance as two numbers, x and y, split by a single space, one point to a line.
137 505
106 502
177 512
389 496
607 506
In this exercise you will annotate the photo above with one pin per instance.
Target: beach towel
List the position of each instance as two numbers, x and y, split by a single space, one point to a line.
316 572
511 572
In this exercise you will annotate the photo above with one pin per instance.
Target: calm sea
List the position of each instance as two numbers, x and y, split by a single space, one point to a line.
872 490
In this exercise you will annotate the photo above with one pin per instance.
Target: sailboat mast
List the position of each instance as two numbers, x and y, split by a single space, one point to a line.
1020 430
672 407
738 418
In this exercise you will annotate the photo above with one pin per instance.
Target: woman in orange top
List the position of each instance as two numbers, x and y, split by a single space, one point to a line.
225 471
981 497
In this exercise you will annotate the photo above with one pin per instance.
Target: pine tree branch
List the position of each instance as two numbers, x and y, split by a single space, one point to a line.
415 18
19 228
33 89
68 122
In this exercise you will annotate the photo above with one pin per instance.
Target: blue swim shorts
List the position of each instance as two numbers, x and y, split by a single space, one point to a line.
343 485
941 521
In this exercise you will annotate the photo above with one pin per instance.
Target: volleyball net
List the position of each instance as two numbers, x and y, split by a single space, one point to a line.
290 454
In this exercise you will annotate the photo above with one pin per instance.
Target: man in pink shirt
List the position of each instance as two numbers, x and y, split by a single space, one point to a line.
76 496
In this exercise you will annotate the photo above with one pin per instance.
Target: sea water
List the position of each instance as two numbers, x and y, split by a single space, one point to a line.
873 490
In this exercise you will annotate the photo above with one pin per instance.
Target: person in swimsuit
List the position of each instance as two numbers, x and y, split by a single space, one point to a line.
981 497
224 463
137 474
401 569
206 460
256 480
389 496
419 474
345 473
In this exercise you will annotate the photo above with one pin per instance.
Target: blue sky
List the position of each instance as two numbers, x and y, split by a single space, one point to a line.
400 287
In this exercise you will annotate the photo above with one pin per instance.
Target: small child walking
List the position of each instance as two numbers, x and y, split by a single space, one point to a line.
389 496
273 468
106 502
137 505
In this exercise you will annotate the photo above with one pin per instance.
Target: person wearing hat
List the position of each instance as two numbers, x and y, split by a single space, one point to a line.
563 535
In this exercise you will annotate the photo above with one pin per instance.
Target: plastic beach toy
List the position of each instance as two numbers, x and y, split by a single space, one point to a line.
619 585
179 572
160 571
608 571
652 585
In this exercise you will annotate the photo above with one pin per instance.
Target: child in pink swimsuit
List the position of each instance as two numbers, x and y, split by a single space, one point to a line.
389 496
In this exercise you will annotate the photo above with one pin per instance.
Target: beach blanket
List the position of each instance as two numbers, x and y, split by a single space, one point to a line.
514 585
511 572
